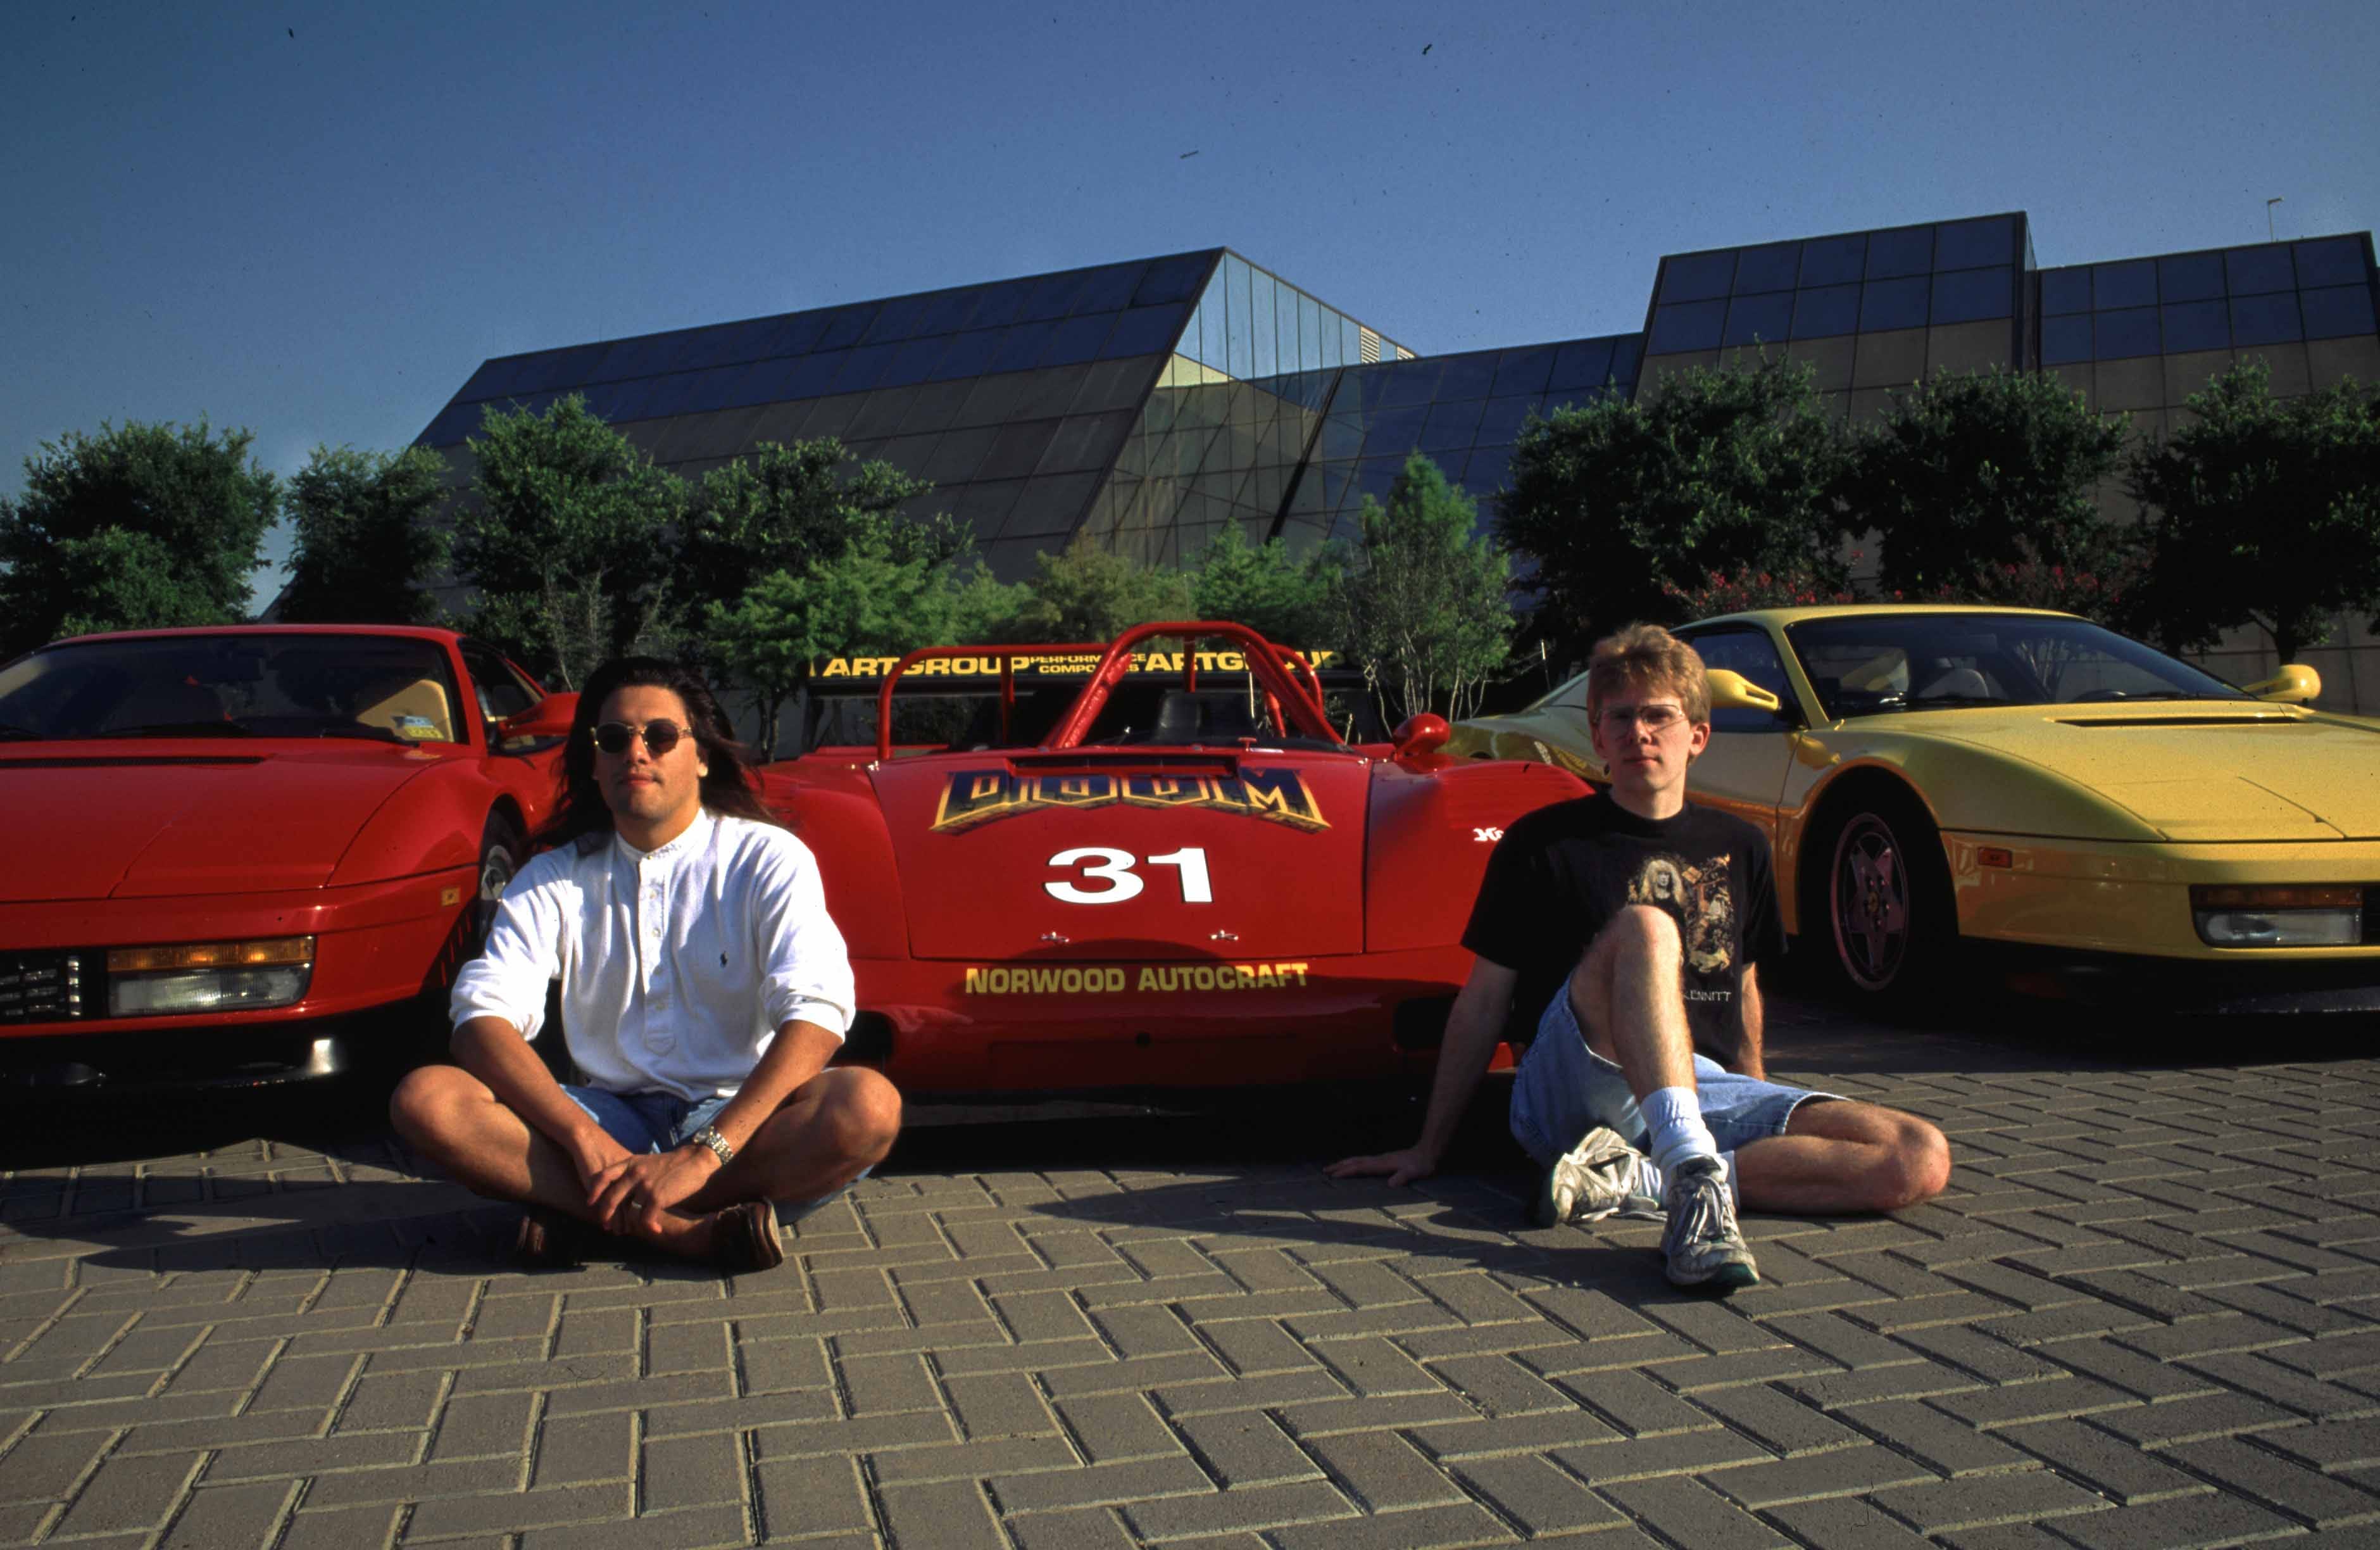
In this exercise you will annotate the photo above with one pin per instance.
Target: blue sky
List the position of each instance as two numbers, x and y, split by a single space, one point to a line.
314 221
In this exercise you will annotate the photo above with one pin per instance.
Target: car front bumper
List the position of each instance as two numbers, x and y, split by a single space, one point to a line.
39 1070
1080 1024
2101 921
383 953
2185 987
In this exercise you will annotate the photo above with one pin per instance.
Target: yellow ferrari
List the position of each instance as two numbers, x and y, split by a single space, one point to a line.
2104 821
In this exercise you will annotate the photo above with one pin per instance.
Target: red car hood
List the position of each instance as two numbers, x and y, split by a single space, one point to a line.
155 819
1275 839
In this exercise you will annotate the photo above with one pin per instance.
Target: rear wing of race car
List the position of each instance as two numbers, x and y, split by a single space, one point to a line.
1292 688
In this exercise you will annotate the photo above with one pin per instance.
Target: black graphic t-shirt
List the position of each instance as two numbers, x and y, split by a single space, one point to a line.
1561 874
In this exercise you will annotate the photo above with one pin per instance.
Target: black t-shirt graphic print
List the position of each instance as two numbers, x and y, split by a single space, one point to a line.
1561 874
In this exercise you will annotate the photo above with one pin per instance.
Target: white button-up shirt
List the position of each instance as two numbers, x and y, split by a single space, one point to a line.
678 965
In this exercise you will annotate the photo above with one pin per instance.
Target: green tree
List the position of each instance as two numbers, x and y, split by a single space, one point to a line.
1615 505
567 540
868 599
1258 585
142 525
1087 593
784 505
840 570
368 537
2261 512
1420 597
117 579
985 610
1968 477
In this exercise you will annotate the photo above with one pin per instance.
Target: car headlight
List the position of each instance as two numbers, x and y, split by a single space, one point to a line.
2279 916
207 976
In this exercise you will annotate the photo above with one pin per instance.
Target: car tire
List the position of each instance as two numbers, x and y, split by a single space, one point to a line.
1886 922
502 849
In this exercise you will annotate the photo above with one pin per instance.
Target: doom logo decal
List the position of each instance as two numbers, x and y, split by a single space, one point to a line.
978 797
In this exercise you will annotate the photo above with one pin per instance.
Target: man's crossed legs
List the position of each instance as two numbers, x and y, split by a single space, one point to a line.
1614 1055
829 1131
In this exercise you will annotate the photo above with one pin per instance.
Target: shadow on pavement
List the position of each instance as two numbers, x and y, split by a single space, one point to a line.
280 1180
294 1178
1302 1125
47 1129
1812 1030
1443 1225
221 1180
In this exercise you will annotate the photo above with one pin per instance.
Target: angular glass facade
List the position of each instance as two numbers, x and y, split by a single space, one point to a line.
1012 397
1871 310
1233 414
2271 294
1146 404
1465 411
1905 277
2139 335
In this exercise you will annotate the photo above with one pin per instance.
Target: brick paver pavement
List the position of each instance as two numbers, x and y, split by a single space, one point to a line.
2146 1314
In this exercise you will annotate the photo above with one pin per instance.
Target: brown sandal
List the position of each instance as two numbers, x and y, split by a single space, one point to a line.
548 1239
745 1238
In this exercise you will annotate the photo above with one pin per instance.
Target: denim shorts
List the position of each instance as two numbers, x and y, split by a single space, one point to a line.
1563 1090
664 1122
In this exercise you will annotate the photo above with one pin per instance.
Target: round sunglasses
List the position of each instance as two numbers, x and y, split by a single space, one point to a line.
613 737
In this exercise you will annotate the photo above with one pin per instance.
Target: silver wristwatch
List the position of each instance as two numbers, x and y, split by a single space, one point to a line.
709 1136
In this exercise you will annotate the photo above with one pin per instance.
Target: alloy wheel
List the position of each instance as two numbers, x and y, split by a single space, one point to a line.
496 869
1871 903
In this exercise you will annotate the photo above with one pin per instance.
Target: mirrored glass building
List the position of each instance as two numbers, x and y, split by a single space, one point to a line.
1870 311
1144 405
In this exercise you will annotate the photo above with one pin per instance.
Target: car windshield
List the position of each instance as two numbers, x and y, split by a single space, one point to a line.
1571 695
383 688
1867 664
966 719
1219 713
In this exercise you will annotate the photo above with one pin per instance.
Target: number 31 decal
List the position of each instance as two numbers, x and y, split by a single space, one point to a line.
1113 869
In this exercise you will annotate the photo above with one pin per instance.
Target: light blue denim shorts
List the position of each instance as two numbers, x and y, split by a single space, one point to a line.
1563 1090
664 1122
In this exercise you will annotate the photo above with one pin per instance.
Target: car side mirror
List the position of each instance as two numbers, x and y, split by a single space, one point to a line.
2293 685
1421 735
1733 692
550 717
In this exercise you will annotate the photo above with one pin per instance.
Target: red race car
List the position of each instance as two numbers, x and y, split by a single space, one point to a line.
255 853
1157 864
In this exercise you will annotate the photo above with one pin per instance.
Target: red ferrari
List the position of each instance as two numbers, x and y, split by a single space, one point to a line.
1167 870
255 853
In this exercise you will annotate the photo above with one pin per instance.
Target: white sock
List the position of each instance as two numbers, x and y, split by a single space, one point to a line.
1651 1181
1675 1131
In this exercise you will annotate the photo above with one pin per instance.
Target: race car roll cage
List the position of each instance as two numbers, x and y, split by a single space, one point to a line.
1274 668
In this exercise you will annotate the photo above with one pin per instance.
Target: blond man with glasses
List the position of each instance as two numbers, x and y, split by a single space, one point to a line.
1620 935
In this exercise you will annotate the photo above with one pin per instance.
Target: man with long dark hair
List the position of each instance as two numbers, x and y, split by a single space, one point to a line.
704 989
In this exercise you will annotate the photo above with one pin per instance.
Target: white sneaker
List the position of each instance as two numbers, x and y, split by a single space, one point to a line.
1592 1180
1704 1245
